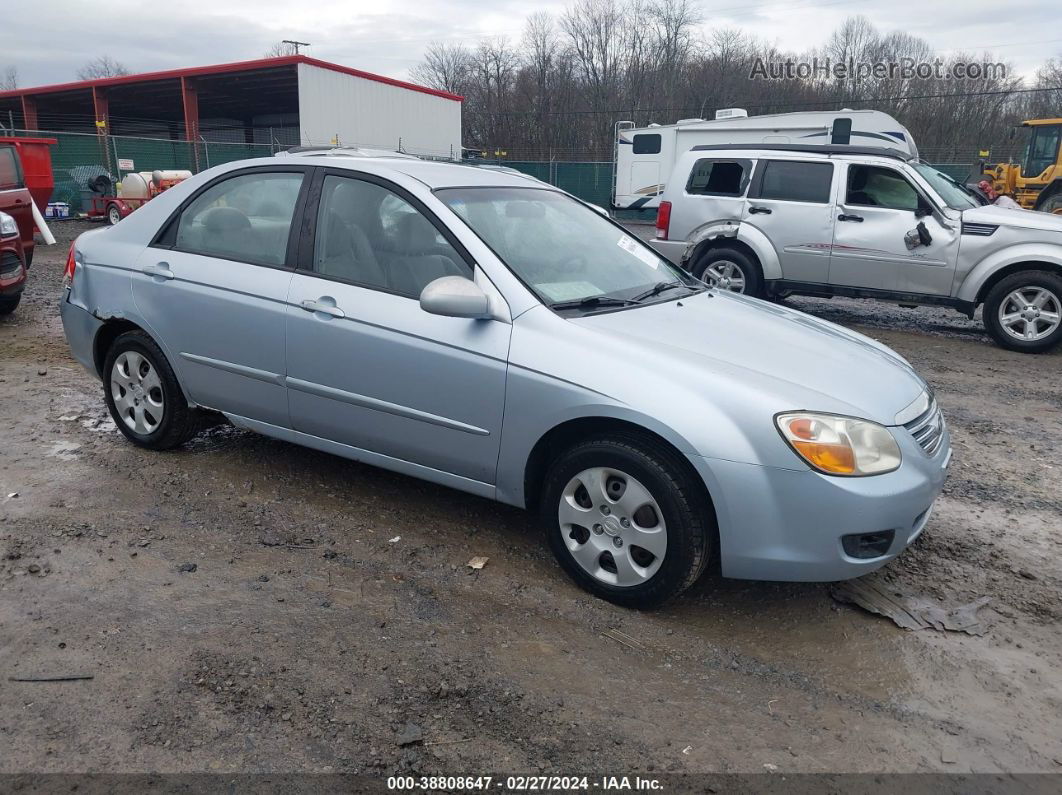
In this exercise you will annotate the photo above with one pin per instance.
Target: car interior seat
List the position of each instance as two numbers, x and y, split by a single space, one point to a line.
343 247
417 261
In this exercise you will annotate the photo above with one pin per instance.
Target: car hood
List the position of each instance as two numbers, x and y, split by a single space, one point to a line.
1012 217
794 360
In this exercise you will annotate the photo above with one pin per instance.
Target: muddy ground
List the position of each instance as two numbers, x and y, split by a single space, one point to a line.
331 622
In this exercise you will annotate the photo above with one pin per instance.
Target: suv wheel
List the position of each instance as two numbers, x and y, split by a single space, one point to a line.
1023 312
730 269
626 520
142 394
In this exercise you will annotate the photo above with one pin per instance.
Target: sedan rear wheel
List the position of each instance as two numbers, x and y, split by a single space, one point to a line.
143 396
628 519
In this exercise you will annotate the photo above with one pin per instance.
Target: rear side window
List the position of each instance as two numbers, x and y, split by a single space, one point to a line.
719 177
796 181
246 218
10 175
647 144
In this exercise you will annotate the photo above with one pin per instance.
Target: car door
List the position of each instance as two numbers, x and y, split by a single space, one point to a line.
876 210
367 367
213 289
789 202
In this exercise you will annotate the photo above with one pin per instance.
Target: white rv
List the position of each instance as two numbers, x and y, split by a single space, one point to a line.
645 156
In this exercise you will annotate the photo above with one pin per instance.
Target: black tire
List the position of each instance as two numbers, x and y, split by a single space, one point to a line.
686 512
750 269
9 303
1045 280
178 423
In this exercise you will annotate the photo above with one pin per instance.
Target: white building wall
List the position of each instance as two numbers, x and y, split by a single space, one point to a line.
363 112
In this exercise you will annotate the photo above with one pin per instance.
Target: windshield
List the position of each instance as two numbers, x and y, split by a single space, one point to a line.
953 195
567 253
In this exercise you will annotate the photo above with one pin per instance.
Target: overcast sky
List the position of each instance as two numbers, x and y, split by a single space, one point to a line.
48 40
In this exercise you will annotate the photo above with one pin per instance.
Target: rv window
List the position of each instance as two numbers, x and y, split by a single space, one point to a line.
647 144
719 177
796 181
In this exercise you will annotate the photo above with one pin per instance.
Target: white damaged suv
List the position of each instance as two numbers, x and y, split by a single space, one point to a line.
771 220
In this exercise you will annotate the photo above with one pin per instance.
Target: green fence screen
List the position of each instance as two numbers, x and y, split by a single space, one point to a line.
77 157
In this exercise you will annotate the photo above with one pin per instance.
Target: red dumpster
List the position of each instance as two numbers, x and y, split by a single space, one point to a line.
36 159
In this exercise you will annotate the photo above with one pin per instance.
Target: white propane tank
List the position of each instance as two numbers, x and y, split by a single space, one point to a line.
134 186
174 174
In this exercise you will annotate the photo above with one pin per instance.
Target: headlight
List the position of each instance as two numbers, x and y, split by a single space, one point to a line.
8 226
840 445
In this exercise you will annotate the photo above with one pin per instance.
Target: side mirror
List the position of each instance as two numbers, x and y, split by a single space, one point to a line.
455 296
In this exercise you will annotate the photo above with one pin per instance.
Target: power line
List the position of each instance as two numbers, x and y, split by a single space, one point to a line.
802 104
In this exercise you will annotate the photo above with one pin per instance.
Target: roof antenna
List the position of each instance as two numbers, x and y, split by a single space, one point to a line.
296 44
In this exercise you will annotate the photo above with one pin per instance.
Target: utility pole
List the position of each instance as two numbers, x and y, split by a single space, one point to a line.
296 44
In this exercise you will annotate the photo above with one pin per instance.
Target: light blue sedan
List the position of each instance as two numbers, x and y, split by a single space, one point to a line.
490 333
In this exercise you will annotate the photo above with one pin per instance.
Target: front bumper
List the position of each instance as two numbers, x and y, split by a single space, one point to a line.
12 269
787 524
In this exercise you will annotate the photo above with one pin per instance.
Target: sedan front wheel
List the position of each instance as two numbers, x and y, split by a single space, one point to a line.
627 520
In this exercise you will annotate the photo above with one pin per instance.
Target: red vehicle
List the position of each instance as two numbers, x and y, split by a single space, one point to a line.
16 229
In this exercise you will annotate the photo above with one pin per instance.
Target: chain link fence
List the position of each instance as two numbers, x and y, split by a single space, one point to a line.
80 157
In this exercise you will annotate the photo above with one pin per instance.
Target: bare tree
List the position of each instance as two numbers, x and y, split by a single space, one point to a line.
445 66
9 78
101 66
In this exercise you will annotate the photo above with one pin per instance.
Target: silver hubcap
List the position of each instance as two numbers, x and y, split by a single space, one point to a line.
137 392
114 216
725 275
1030 313
612 526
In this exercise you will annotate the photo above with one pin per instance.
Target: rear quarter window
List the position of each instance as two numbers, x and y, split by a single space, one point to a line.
711 177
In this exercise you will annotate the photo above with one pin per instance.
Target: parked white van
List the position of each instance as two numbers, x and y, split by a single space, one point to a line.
646 156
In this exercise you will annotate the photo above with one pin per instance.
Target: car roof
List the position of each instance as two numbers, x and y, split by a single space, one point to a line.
433 173
826 150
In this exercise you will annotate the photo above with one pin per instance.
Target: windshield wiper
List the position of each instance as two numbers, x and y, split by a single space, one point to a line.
592 302
660 287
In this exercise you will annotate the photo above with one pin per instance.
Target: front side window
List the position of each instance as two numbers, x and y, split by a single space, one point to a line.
564 251
246 218
874 186
372 237
10 176
647 144
719 177
795 181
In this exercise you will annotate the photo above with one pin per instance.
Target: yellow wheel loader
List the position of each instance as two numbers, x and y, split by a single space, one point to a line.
1036 182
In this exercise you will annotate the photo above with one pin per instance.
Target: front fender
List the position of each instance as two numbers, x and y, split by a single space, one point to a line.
984 270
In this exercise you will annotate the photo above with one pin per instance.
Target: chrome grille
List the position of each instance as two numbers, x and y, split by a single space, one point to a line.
928 429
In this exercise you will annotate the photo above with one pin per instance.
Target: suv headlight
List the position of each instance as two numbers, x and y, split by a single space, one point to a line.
840 445
8 226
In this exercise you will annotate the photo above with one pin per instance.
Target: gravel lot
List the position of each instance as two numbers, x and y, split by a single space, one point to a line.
331 623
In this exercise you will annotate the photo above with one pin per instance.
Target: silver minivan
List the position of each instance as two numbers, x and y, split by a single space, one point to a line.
493 334
775 219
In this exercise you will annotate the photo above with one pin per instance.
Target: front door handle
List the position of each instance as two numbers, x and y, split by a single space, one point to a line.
843 217
160 269
325 305
759 211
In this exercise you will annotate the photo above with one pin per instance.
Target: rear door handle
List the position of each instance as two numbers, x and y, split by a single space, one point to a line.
759 211
324 304
160 269
843 217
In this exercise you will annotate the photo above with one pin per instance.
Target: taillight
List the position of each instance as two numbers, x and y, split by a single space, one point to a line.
71 264
663 220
